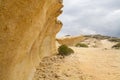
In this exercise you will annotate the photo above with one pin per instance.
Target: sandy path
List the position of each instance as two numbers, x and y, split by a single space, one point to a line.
84 64
99 63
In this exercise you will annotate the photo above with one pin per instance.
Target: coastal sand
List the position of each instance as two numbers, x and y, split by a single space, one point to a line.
85 64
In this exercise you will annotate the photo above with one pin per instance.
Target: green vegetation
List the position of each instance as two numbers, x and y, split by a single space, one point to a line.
114 39
81 45
117 46
65 50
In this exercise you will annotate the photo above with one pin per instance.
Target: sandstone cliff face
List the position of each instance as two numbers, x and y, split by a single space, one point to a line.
27 33
71 41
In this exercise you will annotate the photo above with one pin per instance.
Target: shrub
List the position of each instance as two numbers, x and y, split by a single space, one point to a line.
65 50
81 45
114 39
117 46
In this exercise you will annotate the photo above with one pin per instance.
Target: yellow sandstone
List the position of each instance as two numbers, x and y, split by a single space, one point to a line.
27 34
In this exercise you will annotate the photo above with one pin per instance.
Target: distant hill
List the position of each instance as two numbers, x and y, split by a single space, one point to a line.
94 41
102 37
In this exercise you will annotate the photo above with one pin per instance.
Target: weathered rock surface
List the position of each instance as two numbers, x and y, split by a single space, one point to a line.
27 33
71 41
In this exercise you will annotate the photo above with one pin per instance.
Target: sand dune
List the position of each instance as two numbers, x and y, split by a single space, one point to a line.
99 63
84 64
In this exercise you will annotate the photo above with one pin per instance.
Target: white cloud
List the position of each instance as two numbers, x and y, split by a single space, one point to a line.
91 16
87 31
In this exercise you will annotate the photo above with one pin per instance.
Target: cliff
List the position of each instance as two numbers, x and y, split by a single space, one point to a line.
27 34
71 41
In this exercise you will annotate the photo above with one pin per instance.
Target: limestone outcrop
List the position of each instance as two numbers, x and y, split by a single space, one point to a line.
27 34
71 41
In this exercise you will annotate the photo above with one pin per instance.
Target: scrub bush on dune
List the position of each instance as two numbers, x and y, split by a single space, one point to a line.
117 46
65 50
81 45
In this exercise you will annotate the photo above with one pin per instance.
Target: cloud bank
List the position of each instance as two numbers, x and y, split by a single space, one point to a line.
91 17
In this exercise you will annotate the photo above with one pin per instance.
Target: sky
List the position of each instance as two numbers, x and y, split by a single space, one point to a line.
90 17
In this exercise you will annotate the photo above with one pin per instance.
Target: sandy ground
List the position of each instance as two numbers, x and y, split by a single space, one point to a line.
84 64
99 63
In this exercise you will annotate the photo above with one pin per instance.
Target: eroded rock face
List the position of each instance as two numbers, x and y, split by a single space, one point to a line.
71 41
27 33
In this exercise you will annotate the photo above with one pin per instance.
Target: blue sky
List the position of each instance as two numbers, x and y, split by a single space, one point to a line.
90 17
